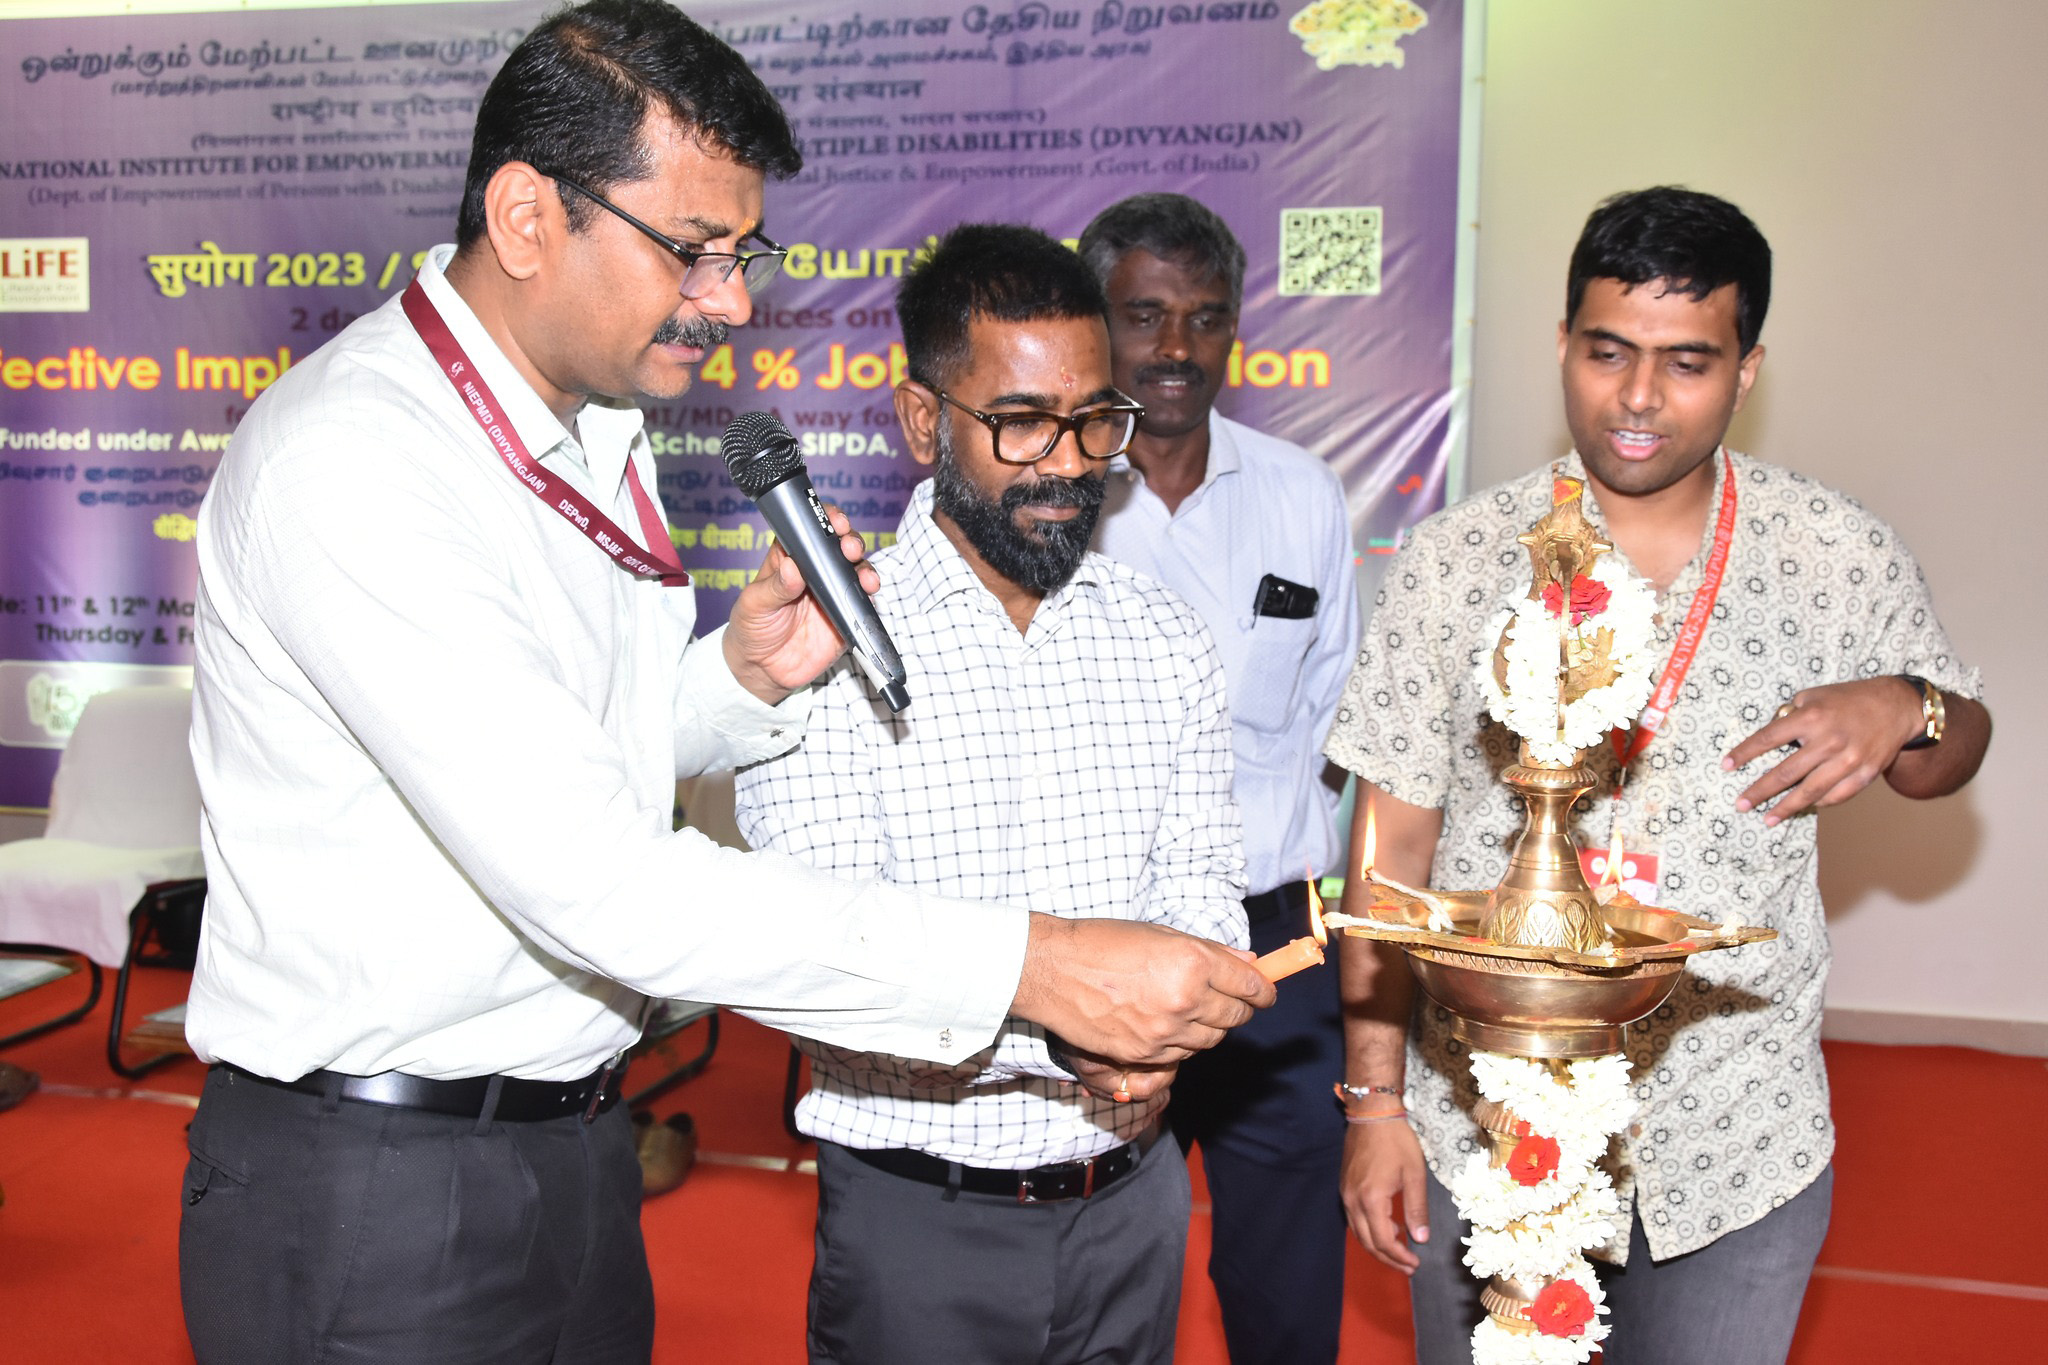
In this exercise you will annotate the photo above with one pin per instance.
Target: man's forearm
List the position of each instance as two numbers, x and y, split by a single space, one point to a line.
1374 982
1378 992
1944 767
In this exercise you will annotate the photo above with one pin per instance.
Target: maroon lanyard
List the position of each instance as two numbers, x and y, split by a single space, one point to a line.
557 493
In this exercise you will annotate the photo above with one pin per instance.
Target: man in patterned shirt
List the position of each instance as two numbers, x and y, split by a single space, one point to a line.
1821 667
1069 749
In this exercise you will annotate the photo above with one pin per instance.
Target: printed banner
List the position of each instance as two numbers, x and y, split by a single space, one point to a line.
191 203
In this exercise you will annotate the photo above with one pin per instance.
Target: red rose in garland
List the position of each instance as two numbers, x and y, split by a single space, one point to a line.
1534 1160
1589 598
1562 1309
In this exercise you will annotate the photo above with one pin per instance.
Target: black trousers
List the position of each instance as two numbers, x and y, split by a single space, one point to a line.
1259 1103
319 1231
905 1275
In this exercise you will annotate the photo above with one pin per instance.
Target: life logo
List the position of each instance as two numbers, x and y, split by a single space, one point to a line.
45 275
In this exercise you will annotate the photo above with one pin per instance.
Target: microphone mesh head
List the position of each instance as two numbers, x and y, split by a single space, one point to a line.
759 452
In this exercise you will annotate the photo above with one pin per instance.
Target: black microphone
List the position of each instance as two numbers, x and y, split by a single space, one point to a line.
763 459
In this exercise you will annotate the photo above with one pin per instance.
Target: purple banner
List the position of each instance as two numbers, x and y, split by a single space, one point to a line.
189 204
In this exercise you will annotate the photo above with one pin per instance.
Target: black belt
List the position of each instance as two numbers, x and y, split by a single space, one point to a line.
1284 899
519 1100
1039 1185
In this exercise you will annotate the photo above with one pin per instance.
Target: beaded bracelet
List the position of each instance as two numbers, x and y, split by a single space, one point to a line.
1363 1092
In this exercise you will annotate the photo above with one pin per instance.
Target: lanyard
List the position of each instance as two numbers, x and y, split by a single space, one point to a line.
1687 645
556 492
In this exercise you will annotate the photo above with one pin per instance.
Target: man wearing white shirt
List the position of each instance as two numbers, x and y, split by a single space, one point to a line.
437 723
1253 532
1067 749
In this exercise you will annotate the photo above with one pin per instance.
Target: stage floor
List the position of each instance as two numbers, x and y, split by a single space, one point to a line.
1928 1257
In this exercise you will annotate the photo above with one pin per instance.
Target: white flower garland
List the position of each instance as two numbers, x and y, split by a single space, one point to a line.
1580 1117
1528 703
1541 1232
1493 1344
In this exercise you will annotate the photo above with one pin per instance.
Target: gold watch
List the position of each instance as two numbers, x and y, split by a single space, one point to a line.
1933 714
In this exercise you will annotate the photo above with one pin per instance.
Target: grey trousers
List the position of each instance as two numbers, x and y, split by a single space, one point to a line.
906 1276
341 1232
1732 1302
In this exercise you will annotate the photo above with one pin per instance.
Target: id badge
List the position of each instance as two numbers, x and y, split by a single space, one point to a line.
1638 871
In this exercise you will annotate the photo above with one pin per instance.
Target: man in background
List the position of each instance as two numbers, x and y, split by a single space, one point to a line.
1067 749
1252 531
1819 667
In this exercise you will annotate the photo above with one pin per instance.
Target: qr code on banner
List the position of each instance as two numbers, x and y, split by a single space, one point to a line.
1328 252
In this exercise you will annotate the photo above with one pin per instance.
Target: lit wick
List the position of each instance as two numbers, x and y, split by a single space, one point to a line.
1612 892
1303 952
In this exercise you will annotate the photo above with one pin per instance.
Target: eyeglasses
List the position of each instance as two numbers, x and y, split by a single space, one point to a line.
703 271
1103 432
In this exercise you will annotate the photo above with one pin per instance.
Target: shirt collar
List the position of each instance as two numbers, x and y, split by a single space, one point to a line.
1694 572
929 567
1224 458
606 429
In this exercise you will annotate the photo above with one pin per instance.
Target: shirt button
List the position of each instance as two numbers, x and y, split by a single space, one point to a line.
946 1039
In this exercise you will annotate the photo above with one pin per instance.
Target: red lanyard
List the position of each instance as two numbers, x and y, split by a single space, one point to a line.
1626 747
556 492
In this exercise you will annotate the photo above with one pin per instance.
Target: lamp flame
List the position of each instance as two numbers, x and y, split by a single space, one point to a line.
1372 814
1612 877
1315 912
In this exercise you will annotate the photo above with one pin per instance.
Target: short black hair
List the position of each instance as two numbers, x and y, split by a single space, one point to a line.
1695 242
1001 271
1172 227
575 93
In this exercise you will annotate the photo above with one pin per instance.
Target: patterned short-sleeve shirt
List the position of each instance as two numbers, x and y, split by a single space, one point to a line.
1733 1100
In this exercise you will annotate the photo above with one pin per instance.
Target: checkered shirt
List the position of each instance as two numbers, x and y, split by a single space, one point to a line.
1081 768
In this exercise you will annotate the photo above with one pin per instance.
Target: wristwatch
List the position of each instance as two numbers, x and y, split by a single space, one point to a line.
1933 714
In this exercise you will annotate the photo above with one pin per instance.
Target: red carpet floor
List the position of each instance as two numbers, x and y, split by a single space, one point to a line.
1932 1256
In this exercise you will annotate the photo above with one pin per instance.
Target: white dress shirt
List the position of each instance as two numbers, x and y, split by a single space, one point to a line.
1081 767
437 733
1264 506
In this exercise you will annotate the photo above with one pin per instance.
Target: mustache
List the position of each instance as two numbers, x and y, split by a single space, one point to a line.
698 333
1186 369
1054 491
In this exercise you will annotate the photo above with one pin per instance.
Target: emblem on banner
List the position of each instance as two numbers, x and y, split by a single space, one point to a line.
45 275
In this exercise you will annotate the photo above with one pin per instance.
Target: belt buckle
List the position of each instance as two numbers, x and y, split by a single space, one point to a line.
1025 1196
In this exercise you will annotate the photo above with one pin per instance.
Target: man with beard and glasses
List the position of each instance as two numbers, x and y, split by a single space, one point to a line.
1069 750
446 683
1253 532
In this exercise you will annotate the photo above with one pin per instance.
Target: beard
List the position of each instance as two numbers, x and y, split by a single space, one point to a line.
699 333
1039 560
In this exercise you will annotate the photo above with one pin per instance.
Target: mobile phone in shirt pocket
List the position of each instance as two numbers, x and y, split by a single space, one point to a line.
1284 599
1279 631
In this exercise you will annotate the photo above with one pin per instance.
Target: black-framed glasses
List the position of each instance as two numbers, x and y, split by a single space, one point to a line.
1103 431
703 271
